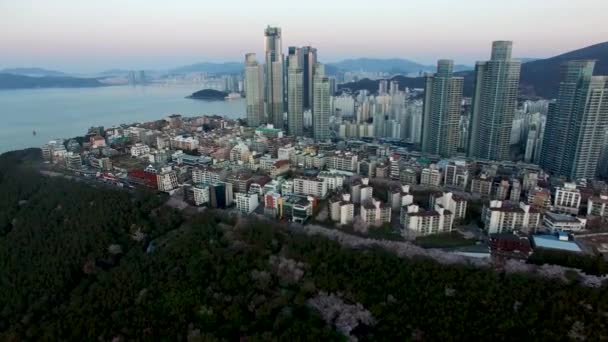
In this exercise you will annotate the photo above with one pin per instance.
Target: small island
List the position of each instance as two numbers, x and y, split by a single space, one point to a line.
208 94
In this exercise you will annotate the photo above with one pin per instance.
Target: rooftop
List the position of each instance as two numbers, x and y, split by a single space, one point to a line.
553 242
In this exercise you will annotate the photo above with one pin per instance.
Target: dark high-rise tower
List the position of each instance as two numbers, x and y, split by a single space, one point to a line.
309 59
274 77
574 133
441 113
494 104
254 91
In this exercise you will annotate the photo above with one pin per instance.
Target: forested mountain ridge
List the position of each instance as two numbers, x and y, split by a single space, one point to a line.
76 265
539 77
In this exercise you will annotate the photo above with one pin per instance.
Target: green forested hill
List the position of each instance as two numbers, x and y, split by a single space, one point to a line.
76 265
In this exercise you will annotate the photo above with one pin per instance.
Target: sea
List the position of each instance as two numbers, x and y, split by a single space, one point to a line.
69 112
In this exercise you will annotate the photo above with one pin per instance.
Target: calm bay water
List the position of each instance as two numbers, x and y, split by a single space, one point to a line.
69 112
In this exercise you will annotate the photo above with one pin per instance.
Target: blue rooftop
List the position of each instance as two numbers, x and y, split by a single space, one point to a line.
553 242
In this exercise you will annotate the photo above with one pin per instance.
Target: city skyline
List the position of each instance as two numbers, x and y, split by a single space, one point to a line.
38 34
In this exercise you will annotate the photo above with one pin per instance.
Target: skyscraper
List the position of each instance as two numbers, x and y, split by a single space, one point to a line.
321 103
441 113
254 90
494 104
576 125
309 59
274 77
295 109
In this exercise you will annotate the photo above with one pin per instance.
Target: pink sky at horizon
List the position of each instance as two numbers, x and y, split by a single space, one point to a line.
82 36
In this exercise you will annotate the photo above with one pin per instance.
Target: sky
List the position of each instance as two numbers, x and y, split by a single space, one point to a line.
96 35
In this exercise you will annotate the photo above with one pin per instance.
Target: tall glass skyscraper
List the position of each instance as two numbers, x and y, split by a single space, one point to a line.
576 124
321 103
494 104
274 77
254 91
295 109
441 113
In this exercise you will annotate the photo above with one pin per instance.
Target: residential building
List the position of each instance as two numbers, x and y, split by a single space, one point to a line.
167 179
425 222
142 177
441 111
279 167
430 176
457 205
345 161
73 161
246 203
138 150
408 176
500 217
310 186
539 198
182 142
456 176
567 199
375 213
197 194
597 206
240 181
500 190
103 163
334 181
208 175
240 152
513 245
494 104
482 185
559 222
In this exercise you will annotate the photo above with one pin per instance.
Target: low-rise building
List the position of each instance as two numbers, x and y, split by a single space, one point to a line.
456 175
560 222
208 175
295 208
375 213
567 199
139 150
597 206
197 194
425 222
510 245
539 198
501 217
310 187
103 164
408 176
142 177
430 176
181 142
482 185
246 203
73 161
167 179
457 205
345 161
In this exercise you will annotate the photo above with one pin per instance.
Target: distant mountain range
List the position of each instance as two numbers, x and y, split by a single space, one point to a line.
539 77
213 68
33 72
12 81
391 66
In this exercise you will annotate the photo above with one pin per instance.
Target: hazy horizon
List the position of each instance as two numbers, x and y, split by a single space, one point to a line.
80 37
